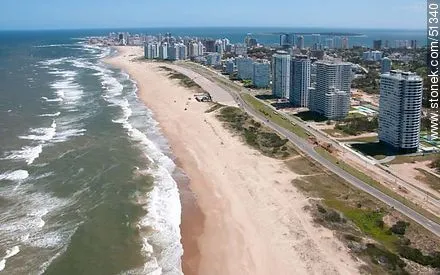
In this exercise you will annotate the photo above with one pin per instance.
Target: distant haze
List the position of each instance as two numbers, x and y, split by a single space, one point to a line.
76 14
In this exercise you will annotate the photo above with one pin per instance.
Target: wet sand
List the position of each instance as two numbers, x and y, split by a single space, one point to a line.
241 214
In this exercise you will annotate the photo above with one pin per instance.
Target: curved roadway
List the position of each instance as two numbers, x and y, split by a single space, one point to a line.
308 149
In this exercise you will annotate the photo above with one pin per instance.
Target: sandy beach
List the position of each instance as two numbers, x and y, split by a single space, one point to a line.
241 214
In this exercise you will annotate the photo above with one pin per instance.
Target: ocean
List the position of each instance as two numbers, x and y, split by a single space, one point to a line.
86 178
88 184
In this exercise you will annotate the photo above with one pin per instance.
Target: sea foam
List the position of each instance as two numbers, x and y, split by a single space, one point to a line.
162 204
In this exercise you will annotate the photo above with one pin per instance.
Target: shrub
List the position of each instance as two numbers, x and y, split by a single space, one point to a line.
399 227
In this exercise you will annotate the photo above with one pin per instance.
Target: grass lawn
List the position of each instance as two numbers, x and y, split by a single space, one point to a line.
274 116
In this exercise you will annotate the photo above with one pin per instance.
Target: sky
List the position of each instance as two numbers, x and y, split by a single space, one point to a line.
78 14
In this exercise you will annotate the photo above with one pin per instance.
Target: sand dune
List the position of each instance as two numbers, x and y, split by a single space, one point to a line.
254 220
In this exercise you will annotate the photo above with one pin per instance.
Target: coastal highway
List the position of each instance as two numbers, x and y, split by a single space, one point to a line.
308 149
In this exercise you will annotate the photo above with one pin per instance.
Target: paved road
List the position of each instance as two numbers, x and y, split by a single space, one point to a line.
308 149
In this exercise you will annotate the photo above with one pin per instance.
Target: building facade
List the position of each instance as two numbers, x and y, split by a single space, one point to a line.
261 74
332 91
385 65
281 74
400 110
300 81
245 68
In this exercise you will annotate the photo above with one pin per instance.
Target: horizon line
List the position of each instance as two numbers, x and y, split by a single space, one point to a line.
205 27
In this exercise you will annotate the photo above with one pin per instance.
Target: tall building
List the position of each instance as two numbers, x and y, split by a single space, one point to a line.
229 66
240 49
193 49
213 59
182 51
377 44
372 56
201 48
151 50
163 51
219 47
300 42
344 43
173 52
329 43
286 40
300 81
400 110
245 67
209 45
281 74
385 65
331 97
261 74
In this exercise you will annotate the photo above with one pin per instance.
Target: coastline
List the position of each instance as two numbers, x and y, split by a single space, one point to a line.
240 213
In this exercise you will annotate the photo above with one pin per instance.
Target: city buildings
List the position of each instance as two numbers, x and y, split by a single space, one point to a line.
229 66
300 42
151 51
261 74
300 81
209 45
244 67
372 56
213 59
240 49
385 65
331 96
377 44
281 74
400 110
286 40
163 51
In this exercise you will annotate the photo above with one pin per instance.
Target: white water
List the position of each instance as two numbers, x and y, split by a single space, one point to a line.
163 202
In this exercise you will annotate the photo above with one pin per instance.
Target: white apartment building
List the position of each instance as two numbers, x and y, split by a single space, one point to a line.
281 74
261 74
400 107
300 81
245 67
333 83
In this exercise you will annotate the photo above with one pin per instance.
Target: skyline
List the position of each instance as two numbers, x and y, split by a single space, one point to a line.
102 14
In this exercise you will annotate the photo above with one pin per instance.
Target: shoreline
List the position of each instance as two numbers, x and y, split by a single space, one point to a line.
254 220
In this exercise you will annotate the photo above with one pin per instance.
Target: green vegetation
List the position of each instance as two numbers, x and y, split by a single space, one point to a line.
367 179
311 116
369 83
184 80
390 261
256 135
417 256
247 83
358 125
274 116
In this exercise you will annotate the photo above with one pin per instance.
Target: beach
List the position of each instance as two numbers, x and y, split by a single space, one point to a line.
241 213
